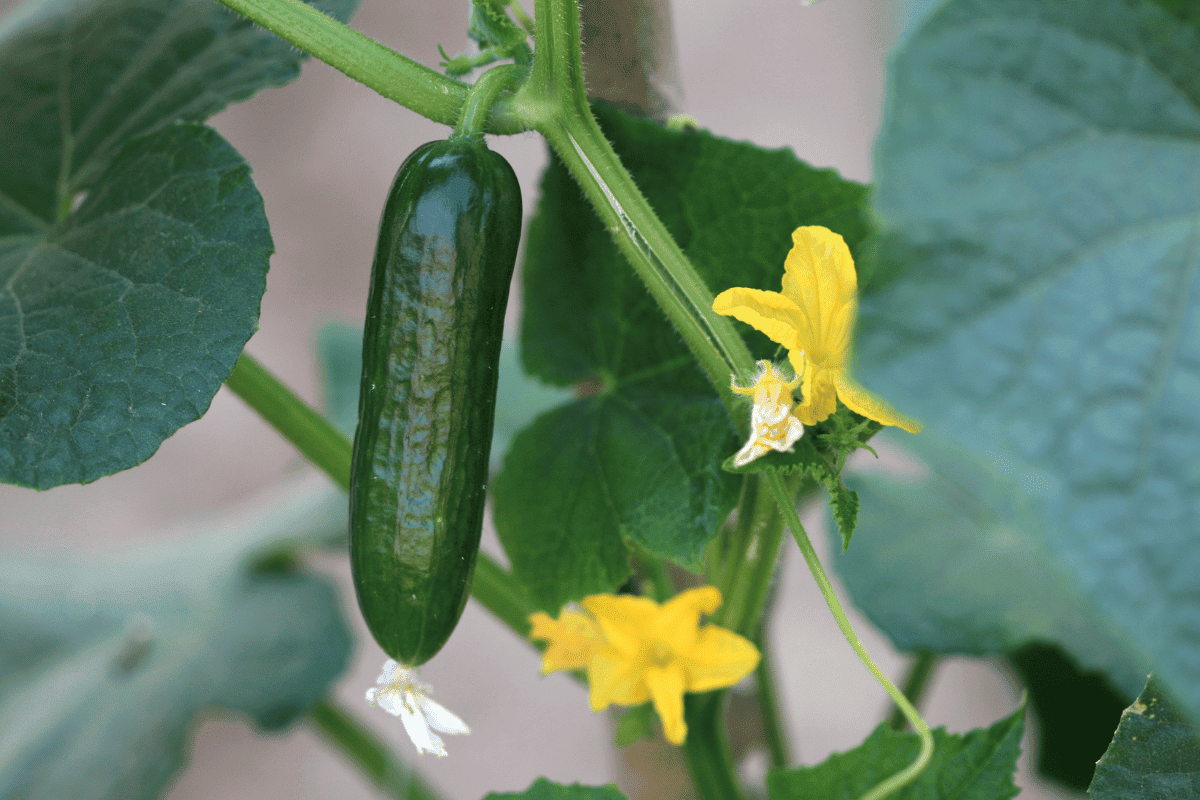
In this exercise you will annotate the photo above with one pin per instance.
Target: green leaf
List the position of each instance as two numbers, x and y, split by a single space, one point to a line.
635 725
542 789
588 318
1155 754
586 476
492 27
120 319
108 660
1036 176
80 79
120 323
956 562
978 765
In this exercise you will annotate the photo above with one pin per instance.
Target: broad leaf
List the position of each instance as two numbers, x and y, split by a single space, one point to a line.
1155 754
80 78
956 562
542 789
131 273
120 323
588 318
587 475
974 766
108 660
1036 187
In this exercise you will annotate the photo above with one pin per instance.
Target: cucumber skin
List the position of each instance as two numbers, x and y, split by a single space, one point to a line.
431 345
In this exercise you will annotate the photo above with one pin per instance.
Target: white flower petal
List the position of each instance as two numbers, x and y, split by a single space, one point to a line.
441 718
392 702
390 668
417 728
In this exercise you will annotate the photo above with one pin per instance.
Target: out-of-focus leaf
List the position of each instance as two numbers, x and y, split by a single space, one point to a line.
106 661
1037 177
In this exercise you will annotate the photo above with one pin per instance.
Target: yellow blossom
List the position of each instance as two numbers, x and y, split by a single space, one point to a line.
813 317
573 638
658 652
772 424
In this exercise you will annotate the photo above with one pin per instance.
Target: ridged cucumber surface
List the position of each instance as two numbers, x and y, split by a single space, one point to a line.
431 346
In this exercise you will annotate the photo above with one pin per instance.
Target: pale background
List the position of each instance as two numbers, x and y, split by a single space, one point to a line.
324 150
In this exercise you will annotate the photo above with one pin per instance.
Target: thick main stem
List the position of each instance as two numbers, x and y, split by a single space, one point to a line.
555 103
792 519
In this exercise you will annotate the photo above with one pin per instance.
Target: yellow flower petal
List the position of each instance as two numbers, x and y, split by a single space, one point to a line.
612 678
666 689
820 394
860 400
677 623
719 658
572 638
623 619
819 278
780 319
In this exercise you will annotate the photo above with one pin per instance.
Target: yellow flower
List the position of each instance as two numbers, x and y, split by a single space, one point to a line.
573 638
658 652
814 319
772 424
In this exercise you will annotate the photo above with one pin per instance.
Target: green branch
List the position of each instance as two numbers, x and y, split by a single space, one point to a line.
412 85
792 519
554 103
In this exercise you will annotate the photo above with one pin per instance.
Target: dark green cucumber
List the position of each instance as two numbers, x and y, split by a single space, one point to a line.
431 346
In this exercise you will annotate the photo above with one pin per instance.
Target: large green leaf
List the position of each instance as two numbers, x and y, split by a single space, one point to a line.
1155 754
978 765
106 661
1037 176
956 562
588 318
118 325
542 789
132 250
587 475
79 78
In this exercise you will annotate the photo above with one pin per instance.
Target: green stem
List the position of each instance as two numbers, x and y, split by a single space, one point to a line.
367 752
768 702
482 96
915 683
412 85
313 435
706 750
792 519
321 443
554 102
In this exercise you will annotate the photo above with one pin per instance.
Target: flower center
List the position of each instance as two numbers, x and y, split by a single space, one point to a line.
661 655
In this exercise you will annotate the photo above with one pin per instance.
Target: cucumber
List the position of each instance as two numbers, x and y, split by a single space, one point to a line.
431 346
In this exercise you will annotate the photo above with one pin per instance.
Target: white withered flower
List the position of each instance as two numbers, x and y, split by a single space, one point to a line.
406 697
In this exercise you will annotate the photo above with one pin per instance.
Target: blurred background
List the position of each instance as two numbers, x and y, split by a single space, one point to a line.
324 150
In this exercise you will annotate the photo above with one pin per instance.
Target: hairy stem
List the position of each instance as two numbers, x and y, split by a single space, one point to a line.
768 702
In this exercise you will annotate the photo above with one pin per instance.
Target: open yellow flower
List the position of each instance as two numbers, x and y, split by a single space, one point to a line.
658 652
813 317
572 639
